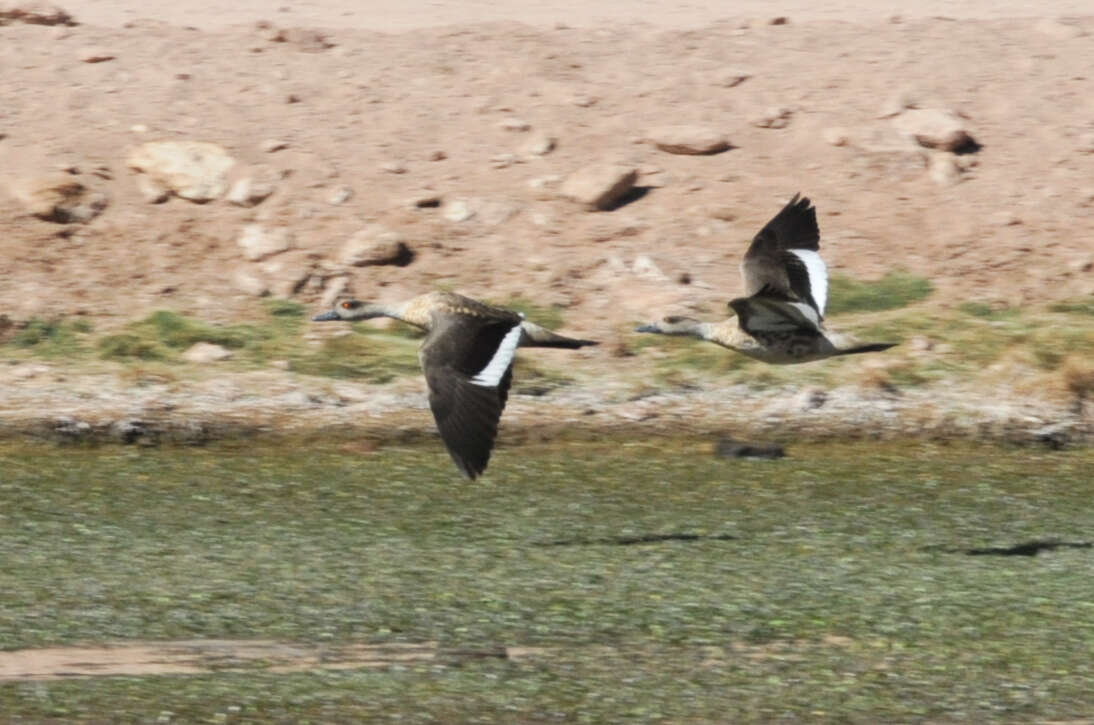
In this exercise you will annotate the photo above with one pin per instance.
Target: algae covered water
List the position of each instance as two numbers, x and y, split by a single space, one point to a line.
652 580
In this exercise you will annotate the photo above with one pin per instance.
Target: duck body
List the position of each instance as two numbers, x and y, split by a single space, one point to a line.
467 358
781 320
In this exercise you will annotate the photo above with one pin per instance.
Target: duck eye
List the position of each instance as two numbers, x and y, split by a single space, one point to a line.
346 305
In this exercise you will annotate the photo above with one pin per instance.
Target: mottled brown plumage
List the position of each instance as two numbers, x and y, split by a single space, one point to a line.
780 321
467 358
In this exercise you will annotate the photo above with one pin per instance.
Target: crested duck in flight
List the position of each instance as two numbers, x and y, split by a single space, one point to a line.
780 321
467 357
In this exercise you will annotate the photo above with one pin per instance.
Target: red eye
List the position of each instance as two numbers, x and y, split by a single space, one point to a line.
345 305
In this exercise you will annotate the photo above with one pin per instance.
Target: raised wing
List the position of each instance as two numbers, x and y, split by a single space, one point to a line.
784 256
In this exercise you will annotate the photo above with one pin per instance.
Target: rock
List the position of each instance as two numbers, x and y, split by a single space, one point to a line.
457 211
333 289
246 191
774 117
502 161
835 136
935 128
437 155
340 195
375 245
730 77
96 55
644 266
514 124
539 144
1059 28
206 352
426 199
729 448
151 190
393 167
194 170
289 273
779 20
271 145
34 12
259 243
687 139
944 170
599 186
897 103
58 197
247 282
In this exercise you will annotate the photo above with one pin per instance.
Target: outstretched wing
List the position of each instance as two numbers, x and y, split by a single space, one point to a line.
468 365
784 255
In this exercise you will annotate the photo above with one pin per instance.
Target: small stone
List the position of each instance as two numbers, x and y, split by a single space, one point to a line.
247 282
425 200
259 243
206 352
193 170
774 117
340 195
539 144
944 170
730 77
151 190
457 211
59 197
271 145
96 55
599 186
583 100
779 20
686 139
835 136
393 167
248 192
333 289
644 266
34 12
139 128
729 448
935 128
1059 28
437 156
514 124
502 161
897 103
375 245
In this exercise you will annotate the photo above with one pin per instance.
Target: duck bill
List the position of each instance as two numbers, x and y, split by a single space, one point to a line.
646 328
326 317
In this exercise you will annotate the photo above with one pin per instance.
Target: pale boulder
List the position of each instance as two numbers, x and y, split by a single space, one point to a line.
934 128
599 186
375 245
193 170
58 197
206 352
258 242
689 139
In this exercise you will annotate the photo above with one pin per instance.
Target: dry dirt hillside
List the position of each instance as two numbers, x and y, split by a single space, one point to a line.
384 164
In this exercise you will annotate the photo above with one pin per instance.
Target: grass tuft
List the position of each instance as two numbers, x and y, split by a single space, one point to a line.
896 289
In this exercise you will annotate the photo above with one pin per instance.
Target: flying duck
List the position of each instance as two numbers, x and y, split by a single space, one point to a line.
467 357
781 318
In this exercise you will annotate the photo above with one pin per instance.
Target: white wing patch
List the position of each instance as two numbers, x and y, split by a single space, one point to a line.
818 276
491 375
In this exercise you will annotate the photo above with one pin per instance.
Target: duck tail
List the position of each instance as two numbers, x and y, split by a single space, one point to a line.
536 336
870 347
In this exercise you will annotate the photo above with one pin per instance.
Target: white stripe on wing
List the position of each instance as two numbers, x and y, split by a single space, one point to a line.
491 375
818 276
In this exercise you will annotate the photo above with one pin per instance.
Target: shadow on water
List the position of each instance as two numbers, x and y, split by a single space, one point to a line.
636 539
1027 548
